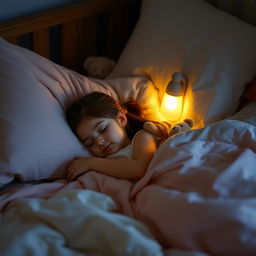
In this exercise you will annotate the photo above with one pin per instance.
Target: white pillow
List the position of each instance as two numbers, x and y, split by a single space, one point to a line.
216 52
141 89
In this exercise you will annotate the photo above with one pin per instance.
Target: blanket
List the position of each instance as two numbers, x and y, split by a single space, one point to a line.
199 193
76 222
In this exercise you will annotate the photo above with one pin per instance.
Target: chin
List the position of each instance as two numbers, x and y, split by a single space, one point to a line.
111 151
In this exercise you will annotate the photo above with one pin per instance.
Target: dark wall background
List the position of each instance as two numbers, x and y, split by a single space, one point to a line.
14 8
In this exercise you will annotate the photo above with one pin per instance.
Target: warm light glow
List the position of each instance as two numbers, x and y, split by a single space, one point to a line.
171 107
171 103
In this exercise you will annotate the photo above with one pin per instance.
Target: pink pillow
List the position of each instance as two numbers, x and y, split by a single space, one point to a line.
36 142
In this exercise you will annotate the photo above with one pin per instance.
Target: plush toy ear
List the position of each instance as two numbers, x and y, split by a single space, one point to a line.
88 61
189 122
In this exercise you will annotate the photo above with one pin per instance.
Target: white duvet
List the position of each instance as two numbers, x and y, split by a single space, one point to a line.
76 222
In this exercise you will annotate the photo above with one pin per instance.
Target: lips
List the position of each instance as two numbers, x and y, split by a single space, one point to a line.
107 148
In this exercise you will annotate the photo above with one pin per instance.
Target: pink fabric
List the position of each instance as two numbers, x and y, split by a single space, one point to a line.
199 192
36 141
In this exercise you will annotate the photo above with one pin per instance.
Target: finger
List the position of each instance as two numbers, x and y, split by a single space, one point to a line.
70 173
73 176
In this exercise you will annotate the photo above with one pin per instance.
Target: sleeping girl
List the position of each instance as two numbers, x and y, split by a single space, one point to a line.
113 133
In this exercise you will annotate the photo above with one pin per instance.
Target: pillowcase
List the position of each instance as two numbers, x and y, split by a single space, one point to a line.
141 89
36 141
214 50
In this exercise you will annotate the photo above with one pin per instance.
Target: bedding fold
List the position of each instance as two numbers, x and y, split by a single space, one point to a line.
76 222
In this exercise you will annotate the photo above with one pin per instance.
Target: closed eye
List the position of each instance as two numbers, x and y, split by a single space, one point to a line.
103 129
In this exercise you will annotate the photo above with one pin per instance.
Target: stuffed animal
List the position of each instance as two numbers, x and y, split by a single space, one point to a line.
164 130
182 127
159 130
98 67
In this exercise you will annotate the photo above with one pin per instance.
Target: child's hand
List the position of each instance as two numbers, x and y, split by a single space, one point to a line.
77 167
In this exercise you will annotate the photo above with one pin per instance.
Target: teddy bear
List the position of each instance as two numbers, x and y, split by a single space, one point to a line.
164 130
98 67
159 130
181 127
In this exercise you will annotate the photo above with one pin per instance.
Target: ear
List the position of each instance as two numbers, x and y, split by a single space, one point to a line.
189 122
121 118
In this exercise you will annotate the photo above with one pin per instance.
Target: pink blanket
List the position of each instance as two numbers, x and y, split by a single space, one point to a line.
199 192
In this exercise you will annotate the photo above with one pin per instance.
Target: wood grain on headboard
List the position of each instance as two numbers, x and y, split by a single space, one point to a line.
70 33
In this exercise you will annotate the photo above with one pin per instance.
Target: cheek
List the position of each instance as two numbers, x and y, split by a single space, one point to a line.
119 135
115 133
95 151
94 148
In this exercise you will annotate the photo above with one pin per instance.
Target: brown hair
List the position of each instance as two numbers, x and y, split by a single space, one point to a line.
97 104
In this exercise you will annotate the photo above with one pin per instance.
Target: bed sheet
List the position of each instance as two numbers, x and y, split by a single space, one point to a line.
198 195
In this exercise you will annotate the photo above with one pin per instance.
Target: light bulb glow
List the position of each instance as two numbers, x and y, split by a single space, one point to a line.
171 102
171 107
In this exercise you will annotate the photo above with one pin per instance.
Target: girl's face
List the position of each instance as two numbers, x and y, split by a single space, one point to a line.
103 136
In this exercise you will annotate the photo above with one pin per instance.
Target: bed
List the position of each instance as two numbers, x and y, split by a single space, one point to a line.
198 196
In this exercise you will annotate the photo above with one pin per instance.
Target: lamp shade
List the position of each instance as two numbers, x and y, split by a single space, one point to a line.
177 86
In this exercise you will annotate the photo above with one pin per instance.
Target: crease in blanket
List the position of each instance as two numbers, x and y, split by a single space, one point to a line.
75 222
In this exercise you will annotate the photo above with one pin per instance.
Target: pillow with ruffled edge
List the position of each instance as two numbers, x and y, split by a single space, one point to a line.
213 49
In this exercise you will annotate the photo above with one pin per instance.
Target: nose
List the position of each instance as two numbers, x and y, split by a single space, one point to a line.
100 141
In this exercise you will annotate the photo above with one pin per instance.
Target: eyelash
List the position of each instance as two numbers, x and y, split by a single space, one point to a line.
104 129
101 131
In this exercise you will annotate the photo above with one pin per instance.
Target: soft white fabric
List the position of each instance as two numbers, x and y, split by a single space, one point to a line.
73 223
214 50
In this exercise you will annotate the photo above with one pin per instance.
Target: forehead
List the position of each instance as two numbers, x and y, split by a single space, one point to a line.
87 126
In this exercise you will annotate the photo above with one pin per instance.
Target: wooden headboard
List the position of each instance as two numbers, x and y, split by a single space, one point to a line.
70 33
